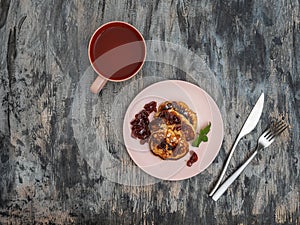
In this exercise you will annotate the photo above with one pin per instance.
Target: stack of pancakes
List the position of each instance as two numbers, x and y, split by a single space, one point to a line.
174 124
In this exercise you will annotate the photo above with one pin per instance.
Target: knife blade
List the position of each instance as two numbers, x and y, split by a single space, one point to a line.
248 126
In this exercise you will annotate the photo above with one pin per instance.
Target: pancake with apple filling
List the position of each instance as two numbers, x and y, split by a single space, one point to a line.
171 129
168 144
181 108
179 113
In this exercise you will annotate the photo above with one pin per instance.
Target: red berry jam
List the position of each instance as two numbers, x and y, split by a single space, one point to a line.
140 128
192 160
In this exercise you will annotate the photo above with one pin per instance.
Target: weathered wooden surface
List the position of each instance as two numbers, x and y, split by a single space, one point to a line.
250 46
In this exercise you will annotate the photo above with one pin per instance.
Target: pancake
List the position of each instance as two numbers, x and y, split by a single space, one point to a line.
160 146
187 117
181 108
173 126
157 124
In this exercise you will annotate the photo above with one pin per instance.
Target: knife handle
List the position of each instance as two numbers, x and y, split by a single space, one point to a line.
226 165
232 178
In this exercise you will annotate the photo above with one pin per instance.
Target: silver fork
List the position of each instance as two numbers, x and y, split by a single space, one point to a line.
264 141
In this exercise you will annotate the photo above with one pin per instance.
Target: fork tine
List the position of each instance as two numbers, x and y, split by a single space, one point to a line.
271 136
277 124
268 134
281 129
276 130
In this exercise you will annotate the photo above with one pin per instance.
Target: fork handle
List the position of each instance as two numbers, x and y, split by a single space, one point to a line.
232 178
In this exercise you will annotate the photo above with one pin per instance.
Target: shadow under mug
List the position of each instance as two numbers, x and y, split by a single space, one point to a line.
117 52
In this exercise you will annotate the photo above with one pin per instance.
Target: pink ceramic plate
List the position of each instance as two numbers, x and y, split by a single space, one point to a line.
205 108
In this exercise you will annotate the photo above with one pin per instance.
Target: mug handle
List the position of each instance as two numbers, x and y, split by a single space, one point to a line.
98 84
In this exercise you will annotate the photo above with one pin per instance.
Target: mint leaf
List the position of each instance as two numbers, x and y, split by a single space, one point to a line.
202 137
205 139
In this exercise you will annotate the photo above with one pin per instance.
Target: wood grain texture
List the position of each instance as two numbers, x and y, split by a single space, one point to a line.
250 46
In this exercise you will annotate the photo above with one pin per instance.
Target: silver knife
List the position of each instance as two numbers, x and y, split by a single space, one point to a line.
248 126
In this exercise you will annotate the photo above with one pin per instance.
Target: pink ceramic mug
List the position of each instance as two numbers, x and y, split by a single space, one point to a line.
117 52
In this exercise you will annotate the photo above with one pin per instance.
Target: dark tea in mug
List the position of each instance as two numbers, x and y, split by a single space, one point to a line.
117 51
